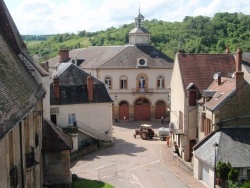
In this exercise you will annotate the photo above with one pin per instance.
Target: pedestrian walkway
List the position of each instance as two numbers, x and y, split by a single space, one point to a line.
168 162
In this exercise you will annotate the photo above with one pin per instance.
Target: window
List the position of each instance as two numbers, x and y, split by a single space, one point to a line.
108 82
160 82
71 119
123 82
192 98
142 84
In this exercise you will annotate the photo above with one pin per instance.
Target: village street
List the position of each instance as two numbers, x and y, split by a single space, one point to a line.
134 163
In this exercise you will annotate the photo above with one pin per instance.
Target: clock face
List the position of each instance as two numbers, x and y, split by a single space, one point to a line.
141 61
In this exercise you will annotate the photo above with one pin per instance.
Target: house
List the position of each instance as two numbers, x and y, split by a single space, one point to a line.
136 75
233 147
224 108
21 109
56 155
80 101
192 73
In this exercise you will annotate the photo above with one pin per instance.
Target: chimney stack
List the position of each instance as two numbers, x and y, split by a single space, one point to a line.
56 88
239 75
238 60
90 87
63 54
219 79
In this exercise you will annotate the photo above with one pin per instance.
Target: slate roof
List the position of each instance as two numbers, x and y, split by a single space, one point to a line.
118 57
54 139
19 91
139 30
200 68
223 91
73 82
234 147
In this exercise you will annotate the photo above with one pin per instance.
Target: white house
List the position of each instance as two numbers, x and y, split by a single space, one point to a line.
78 99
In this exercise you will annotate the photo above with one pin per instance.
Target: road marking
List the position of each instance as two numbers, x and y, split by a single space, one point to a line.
136 181
144 165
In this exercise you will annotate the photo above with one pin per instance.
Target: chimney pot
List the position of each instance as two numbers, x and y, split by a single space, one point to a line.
90 83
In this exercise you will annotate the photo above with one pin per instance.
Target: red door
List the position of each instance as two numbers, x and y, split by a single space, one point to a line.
123 110
142 110
160 110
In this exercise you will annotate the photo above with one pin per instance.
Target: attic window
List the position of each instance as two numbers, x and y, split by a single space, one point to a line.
192 97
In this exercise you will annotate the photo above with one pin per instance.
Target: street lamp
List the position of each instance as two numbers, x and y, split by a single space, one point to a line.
216 146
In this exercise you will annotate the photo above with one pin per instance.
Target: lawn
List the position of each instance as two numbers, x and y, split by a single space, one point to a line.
82 183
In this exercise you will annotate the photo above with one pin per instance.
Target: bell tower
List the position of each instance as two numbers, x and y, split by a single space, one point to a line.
139 35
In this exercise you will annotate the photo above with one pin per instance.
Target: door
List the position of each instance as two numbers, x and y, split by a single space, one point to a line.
123 110
53 118
160 110
142 110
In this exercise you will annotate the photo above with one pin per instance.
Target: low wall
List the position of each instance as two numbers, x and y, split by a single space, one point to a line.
186 166
76 154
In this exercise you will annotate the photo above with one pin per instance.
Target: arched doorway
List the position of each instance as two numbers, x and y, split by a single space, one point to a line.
123 110
160 110
142 110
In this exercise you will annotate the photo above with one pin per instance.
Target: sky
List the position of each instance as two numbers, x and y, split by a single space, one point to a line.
39 17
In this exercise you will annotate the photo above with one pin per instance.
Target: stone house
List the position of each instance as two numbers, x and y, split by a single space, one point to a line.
80 101
136 75
21 109
223 117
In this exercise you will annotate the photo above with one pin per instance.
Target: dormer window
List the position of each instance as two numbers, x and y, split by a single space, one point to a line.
142 63
192 97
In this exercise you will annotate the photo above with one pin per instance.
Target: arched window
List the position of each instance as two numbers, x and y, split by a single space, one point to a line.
108 82
160 82
123 82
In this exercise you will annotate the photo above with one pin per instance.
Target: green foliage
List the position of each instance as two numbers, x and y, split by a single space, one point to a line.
222 170
232 184
80 183
246 185
233 175
198 34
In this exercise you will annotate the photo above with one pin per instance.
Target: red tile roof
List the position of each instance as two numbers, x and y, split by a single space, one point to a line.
223 91
200 68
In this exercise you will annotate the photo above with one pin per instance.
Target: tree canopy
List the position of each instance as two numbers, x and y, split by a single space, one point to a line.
198 34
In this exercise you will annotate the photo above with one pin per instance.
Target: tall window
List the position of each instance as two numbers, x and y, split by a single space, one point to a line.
71 119
160 82
108 82
123 82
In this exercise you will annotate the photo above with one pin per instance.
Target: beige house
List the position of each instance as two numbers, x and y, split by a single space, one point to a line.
192 73
137 75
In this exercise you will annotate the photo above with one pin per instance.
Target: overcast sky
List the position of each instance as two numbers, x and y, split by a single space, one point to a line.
61 16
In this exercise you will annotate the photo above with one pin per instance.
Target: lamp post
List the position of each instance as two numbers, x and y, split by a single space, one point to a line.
216 146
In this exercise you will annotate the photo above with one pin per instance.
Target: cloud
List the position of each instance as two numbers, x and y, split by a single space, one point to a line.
60 16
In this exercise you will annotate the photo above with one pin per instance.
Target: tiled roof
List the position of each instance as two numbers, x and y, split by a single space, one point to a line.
73 81
200 68
14 38
234 147
54 139
223 91
139 30
118 57
19 91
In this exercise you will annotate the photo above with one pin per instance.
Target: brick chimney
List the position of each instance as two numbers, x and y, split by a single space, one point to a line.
90 87
56 88
239 75
63 54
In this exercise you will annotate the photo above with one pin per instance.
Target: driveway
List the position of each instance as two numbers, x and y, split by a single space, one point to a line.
134 163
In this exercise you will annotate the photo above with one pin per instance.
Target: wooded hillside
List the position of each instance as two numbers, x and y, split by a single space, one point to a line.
193 35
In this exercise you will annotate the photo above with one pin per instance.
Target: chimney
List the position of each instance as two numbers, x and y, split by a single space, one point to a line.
47 66
238 60
63 54
227 51
56 88
90 84
239 75
219 79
